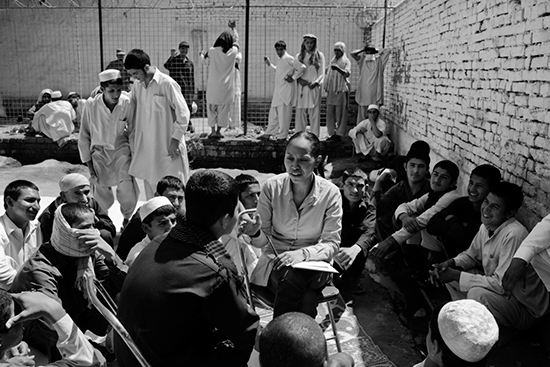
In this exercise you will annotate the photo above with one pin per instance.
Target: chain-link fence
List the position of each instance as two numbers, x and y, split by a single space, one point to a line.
63 44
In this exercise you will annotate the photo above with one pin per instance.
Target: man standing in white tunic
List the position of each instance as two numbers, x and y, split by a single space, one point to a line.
160 121
308 99
287 70
104 145
370 88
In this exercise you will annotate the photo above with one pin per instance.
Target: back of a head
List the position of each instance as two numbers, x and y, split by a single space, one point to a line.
13 190
510 193
450 167
488 172
465 331
292 340
169 182
6 301
419 150
244 180
136 59
73 212
421 145
210 194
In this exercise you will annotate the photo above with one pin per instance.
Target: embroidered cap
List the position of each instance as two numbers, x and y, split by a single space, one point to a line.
468 328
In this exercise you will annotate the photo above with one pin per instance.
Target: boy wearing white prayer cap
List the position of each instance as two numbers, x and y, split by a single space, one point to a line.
104 145
158 217
370 135
75 188
460 333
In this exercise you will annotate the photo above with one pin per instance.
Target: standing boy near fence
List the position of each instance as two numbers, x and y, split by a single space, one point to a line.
104 145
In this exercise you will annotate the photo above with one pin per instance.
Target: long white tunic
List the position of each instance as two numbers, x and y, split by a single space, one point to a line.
220 87
284 92
161 114
55 120
306 97
104 140
370 89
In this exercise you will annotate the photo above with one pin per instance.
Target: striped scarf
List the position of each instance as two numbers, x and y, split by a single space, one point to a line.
65 241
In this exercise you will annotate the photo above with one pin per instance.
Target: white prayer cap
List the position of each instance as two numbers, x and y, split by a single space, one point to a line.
468 328
57 94
120 52
71 181
109 74
153 204
373 107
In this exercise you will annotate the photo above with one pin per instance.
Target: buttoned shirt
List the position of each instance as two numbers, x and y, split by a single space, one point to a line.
535 249
492 256
16 247
315 226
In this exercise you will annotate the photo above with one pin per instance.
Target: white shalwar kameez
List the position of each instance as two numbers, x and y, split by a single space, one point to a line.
55 120
104 140
284 94
365 142
220 87
308 101
370 88
161 114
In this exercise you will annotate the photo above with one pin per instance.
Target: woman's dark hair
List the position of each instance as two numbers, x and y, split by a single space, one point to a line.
313 140
136 59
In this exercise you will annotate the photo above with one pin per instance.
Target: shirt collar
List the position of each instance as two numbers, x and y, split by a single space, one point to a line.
195 235
311 197
501 227
10 227
156 76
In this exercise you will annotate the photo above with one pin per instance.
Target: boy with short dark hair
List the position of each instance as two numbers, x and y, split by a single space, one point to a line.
457 225
491 252
72 344
415 215
249 189
192 301
159 217
20 232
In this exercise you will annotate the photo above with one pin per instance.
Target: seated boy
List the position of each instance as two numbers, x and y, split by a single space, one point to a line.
294 339
357 235
72 344
417 164
414 215
183 302
75 188
57 270
460 334
477 272
249 192
457 225
20 233
370 136
159 217
170 187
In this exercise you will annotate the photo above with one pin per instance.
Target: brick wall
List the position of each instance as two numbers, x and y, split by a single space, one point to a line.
473 79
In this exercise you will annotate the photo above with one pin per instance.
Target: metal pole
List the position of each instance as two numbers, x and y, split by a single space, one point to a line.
246 34
385 15
100 34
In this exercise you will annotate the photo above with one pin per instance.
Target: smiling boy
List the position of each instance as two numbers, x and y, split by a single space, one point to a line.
414 215
20 233
492 251
457 225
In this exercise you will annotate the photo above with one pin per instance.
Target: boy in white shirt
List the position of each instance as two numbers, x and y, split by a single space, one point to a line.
159 217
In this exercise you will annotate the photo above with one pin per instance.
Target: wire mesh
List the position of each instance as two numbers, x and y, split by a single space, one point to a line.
64 44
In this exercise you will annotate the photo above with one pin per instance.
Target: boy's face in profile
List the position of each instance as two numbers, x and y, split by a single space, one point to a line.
160 225
441 180
249 197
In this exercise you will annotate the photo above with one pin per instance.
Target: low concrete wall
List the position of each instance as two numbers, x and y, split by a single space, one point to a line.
263 156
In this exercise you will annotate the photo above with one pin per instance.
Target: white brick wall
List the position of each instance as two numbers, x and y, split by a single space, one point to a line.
473 79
